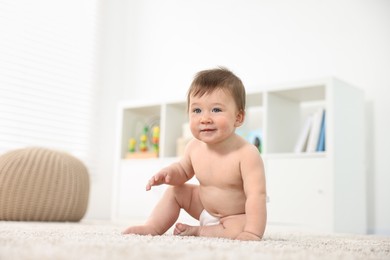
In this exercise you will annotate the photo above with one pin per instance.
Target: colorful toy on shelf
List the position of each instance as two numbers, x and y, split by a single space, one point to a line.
147 143
143 146
132 145
156 138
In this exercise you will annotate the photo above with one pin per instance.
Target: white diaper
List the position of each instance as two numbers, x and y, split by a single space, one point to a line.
206 219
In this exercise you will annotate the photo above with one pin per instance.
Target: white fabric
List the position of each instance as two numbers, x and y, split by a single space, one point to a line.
206 219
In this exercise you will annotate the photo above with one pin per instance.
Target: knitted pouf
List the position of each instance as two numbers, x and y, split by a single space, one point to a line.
38 184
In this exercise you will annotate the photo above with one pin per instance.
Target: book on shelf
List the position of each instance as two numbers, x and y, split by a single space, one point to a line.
321 139
301 143
312 135
315 130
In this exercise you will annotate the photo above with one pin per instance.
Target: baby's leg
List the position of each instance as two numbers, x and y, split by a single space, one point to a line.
230 227
167 210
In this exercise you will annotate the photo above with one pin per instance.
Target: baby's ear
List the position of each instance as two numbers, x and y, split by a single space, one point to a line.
240 118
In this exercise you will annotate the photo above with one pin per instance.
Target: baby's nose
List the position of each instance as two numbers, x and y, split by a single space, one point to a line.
206 118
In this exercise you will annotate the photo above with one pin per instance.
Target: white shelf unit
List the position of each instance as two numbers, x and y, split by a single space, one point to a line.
319 191
134 116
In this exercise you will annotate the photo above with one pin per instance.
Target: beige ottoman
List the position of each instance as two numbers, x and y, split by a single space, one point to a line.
38 184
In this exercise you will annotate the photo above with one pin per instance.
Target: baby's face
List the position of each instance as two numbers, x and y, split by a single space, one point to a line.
214 116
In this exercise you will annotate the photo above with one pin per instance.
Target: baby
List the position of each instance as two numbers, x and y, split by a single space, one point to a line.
230 200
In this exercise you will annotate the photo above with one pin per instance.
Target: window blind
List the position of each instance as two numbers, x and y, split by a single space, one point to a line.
47 75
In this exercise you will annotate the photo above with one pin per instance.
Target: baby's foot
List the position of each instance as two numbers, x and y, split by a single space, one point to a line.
186 230
141 230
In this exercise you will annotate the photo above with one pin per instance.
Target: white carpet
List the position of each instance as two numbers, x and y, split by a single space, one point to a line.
94 240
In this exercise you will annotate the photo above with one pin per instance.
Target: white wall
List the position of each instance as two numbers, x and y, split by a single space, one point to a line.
111 67
157 47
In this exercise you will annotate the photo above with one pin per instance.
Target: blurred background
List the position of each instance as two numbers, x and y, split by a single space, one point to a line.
64 66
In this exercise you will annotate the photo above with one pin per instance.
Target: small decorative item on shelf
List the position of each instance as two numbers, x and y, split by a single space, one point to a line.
156 138
132 145
257 143
182 141
144 144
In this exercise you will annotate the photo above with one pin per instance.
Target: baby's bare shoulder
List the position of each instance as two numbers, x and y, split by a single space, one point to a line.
246 148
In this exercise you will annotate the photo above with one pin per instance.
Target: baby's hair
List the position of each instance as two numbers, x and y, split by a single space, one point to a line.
207 81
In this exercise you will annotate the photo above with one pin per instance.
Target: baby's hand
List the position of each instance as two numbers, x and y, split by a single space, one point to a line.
161 177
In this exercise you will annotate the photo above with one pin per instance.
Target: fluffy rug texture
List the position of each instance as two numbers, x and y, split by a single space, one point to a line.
95 240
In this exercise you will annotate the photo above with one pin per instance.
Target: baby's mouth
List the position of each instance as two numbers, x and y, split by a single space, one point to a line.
207 130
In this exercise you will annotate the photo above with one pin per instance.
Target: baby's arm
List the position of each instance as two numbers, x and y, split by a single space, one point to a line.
253 175
175 174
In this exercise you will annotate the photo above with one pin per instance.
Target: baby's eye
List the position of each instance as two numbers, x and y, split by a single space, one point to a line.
216 109
196 110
